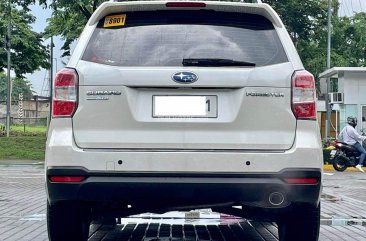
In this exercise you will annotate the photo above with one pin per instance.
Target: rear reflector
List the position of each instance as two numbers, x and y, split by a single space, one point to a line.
305 110
185 5
63 108
301 180
66 179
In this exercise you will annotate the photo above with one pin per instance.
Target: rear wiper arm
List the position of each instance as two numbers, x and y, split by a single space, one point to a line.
215 62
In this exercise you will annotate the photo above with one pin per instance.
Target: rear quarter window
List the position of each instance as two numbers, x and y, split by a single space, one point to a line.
165 38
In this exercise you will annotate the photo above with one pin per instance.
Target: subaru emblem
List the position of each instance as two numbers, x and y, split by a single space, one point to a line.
185 77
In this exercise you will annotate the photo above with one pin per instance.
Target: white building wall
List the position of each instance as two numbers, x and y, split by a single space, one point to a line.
354 88
353 85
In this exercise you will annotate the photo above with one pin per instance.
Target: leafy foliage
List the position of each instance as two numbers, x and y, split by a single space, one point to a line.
27 52
69 18
349 39
300 17
19 85
348 44
21 3
306 22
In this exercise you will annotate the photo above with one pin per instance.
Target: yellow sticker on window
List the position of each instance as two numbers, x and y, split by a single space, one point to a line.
114 20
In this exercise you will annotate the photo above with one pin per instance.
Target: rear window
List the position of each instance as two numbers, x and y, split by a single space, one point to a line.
165 38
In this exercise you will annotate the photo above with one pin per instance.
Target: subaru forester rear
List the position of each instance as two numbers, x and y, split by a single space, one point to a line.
182 105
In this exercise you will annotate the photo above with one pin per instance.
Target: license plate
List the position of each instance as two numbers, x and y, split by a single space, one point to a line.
185 106
333 152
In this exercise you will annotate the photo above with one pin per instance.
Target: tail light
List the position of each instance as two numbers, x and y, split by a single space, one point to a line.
65 99
338 144
303 95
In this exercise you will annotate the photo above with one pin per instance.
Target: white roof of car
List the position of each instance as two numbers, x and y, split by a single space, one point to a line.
244 7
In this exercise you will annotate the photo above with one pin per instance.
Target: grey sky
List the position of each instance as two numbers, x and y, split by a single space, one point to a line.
39 78
348 7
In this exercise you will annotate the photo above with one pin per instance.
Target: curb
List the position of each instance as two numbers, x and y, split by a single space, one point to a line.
329 168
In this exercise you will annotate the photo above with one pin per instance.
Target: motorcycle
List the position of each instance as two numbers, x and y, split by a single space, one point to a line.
343 155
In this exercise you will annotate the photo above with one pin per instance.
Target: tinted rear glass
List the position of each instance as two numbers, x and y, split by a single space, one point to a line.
165 38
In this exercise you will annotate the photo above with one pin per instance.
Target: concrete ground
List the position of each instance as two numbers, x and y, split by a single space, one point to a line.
23 214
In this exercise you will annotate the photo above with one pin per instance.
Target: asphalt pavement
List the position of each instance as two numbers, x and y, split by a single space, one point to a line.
23 214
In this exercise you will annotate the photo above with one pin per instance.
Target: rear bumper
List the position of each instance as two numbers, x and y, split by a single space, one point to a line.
178 191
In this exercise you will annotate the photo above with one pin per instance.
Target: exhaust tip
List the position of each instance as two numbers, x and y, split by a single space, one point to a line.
276 198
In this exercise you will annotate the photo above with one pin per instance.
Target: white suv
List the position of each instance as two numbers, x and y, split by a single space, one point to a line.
183 105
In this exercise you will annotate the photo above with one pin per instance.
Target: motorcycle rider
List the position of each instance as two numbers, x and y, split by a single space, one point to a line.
350 136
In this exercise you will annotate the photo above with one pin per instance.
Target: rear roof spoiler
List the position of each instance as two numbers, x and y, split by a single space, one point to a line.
116 6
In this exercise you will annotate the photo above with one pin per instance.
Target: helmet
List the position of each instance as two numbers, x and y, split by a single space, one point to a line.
352 121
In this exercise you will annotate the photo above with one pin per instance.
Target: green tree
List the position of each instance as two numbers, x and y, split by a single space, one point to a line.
349 35
348 44
27 52
300 17
20 85
20 3
69 18
306 22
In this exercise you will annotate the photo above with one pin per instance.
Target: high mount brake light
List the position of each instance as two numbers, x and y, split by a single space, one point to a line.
185 5
303 95
65 99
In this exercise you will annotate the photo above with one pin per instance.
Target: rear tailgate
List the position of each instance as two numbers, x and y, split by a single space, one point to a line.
122 86
243 120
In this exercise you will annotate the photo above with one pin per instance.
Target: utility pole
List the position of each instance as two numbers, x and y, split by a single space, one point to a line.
8 46
327 104
50 80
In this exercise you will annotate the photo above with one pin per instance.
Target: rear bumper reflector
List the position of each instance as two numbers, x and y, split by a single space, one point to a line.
66 178
302 180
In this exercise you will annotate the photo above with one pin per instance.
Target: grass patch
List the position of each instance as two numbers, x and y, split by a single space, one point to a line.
25 142
23 147
21 130
35 129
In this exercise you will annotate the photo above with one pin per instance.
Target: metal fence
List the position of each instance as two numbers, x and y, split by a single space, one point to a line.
30 121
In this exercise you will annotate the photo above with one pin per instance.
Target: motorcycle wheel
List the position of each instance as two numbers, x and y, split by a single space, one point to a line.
339 164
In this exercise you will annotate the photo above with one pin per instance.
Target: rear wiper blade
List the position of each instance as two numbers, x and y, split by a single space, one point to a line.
215 62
